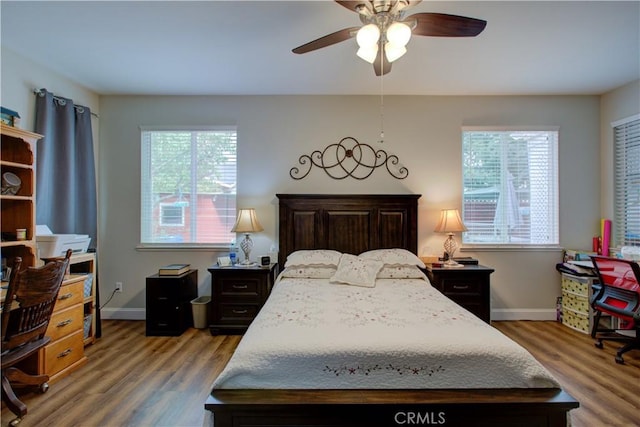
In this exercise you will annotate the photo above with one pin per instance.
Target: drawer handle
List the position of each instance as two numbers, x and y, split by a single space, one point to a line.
64 323
240 311
65 296
163 298
240 286
460 287
65 353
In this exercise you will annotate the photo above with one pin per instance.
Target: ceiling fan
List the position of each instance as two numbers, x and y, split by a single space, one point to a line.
386 31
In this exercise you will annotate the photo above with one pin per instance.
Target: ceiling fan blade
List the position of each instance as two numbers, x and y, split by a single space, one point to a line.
328 40
443 25
381 68
352 5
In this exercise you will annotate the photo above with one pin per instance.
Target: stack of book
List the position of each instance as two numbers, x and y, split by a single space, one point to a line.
174 269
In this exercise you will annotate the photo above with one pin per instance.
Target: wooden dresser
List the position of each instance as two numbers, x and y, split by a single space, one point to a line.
65 353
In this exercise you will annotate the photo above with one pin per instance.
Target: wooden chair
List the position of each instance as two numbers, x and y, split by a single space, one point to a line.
31 296
618 296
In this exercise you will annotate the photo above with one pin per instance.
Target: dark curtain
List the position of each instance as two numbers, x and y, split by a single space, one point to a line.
66 198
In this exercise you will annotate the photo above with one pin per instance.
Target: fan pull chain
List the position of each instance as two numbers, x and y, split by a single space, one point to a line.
381 97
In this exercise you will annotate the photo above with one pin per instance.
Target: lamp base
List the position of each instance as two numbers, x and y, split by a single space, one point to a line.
450 263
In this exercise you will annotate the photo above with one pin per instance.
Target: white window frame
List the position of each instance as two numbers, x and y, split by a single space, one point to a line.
546 208
626 170
149 214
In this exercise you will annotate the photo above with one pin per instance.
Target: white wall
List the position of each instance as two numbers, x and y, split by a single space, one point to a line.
424 131
616 105
274 131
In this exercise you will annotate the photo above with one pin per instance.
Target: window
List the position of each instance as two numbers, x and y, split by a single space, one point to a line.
188 188
510 179
627 181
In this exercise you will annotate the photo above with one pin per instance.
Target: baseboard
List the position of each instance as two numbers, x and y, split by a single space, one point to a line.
123 313
523 314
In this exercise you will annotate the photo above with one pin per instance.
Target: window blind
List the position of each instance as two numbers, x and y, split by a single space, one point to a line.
627 182
510 180
188 186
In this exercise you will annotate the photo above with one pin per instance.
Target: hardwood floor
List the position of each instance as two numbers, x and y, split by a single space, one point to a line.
134 380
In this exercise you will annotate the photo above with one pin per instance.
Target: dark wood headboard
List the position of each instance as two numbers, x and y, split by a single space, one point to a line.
350 223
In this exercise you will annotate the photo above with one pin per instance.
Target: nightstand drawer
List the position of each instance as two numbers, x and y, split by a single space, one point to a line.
466 286
238 312
240 287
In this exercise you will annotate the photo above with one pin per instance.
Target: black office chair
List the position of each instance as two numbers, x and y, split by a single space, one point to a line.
31 297
618 296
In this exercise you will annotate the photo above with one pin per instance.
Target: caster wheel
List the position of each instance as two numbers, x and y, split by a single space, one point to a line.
15 422
599 345
43 388
619 360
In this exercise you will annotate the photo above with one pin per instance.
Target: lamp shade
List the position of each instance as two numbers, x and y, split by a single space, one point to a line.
247 222
450 222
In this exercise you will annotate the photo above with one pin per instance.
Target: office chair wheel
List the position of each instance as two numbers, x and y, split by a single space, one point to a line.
599 345
44 387
14 422
619 359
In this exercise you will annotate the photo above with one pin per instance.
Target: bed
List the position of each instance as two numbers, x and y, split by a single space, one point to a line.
296 364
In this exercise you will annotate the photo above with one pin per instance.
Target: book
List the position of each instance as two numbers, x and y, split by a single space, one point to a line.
174 269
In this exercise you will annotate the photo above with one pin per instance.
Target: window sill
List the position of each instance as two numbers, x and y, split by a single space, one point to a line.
511 248
181 247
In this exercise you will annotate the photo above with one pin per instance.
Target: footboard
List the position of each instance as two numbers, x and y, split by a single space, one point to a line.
384 408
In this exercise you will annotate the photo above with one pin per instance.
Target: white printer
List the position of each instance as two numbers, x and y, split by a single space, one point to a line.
52 245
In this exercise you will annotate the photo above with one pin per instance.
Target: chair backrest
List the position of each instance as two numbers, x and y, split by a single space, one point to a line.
619 292
31 296
616 272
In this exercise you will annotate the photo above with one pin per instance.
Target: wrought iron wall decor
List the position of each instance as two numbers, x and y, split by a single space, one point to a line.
349 158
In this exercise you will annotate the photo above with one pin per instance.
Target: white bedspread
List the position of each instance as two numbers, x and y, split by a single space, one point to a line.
401 334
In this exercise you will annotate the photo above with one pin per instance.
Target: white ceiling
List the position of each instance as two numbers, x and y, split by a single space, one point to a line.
244 47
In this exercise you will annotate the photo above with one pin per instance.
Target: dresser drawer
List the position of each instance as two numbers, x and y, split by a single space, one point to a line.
64 322
240 287
63 353
70 294
462 286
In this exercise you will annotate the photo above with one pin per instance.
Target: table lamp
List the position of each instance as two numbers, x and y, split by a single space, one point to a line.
246 222
450 222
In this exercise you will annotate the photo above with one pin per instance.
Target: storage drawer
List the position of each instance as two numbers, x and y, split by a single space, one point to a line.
239 312
65 322
63 353
577 321
576 285
240 287
456 286
70 294
575 302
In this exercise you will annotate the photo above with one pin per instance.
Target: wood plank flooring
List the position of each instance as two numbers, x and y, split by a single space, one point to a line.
134 380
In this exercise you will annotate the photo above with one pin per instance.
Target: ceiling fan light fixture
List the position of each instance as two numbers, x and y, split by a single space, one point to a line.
394 51
368 53
368 36
398 34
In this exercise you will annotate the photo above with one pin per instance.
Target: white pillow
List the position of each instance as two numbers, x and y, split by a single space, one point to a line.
400 272
313 257
393 257
357 271
309 272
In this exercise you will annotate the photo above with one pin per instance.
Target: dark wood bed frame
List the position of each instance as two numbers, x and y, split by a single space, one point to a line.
354 224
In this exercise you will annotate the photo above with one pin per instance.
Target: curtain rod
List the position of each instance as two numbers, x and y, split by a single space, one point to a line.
59 98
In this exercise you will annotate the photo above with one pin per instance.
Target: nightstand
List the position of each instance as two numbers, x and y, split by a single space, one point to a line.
168 299
469 286
238 294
